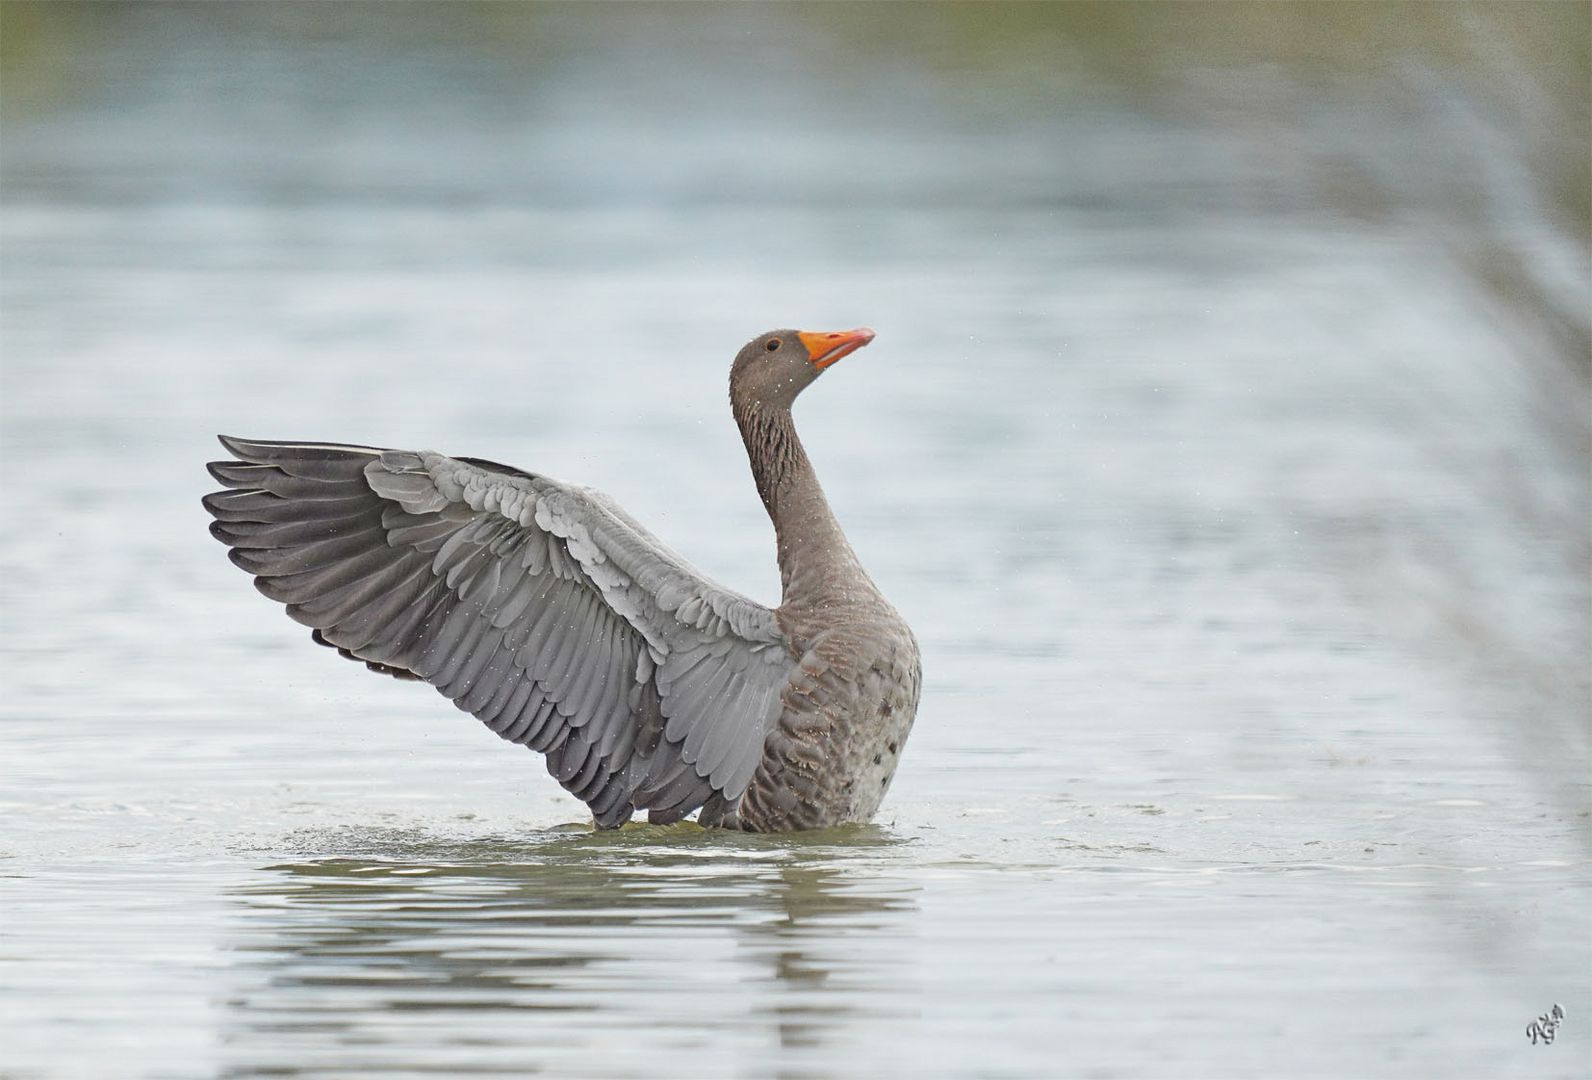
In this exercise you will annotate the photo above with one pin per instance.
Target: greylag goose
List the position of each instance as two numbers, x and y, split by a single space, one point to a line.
549 613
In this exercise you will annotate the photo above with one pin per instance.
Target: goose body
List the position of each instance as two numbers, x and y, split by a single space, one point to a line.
549 613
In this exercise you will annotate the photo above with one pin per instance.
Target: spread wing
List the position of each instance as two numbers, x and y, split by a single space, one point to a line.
541 608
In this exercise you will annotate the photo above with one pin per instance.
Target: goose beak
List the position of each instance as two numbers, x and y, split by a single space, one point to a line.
824 349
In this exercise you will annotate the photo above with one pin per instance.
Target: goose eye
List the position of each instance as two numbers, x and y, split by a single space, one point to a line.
773 344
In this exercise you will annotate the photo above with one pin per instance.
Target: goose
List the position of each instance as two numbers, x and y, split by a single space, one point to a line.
554 617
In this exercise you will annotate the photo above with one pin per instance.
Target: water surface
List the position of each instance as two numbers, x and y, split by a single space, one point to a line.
1225 442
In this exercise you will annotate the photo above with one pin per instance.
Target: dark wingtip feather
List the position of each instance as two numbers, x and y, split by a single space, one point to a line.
323 461
269 449
234 473
215 502
244 558
257 451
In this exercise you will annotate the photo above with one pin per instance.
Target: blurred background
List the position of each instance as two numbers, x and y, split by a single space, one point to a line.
1227 441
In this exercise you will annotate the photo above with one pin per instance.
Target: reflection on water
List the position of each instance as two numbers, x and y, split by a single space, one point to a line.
527 957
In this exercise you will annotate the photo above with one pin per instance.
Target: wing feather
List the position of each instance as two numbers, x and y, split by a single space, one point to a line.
487 681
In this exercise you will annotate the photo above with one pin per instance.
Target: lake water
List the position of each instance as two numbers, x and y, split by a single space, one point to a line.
1225 441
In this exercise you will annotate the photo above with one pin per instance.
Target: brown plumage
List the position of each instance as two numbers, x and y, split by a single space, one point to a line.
550 614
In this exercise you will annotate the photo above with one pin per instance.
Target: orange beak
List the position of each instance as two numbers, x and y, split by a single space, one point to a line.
825 349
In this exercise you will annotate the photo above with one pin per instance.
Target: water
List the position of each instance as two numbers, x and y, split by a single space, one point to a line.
1225 441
